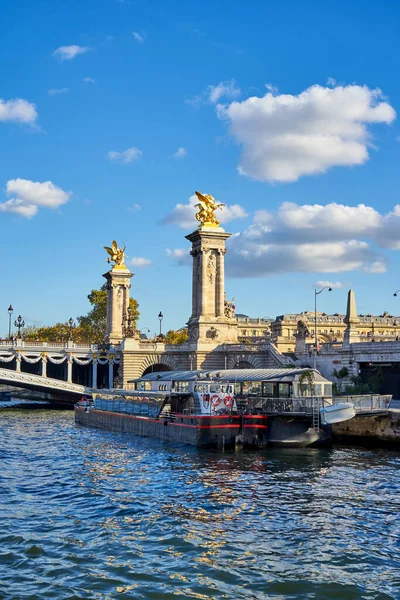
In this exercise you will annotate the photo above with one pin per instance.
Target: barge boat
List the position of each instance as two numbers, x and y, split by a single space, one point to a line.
253 408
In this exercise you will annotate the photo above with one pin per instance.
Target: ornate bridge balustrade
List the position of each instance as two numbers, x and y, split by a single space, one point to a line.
73 363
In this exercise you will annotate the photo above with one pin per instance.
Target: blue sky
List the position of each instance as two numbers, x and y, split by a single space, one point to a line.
96 77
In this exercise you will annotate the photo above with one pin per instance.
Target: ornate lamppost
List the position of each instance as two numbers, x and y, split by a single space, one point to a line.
315 322
160 316
71 325
191 358
10 312
19 324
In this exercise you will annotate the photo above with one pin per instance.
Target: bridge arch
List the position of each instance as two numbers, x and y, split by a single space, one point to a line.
153 363
244 362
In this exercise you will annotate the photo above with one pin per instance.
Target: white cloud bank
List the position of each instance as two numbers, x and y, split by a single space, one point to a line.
70 52
311 238
284 137
18 111
183 215
28 196
125 157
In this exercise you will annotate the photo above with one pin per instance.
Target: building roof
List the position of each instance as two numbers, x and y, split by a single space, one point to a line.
230 375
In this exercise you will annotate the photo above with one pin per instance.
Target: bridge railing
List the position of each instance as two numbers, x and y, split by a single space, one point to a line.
15 344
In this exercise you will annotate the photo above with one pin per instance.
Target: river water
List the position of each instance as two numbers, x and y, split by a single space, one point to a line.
92 514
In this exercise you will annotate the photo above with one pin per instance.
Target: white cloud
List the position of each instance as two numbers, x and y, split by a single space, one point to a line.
56 91
88 80
125 157
70 52
183 215
139 261
331 81
213 93
135 208
271 88
181 256
28 196
18 110
284 137
139 37
180 153
315 238
329 284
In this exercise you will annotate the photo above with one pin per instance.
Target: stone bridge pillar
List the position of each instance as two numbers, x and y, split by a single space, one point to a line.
211 319
118 286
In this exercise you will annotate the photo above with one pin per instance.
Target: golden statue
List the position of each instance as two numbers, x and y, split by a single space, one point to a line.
117 255
207 207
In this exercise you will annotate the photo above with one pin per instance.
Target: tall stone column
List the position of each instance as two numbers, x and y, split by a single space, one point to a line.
94 372
44 365
118 286
210 323
352 321
69 369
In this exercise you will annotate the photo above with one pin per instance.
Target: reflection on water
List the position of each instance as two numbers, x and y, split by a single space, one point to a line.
92 514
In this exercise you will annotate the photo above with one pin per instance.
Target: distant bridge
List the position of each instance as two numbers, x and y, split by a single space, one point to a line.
55 387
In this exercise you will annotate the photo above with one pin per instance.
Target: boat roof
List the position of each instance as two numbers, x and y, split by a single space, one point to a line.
230 375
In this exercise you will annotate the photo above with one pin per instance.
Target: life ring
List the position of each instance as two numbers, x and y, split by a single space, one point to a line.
215 400
228 400
206 400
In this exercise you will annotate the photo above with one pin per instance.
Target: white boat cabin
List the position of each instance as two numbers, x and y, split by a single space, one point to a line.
220 391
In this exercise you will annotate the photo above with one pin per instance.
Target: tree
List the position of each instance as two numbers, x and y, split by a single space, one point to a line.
94 323
340 375
179 336
91 328
306 380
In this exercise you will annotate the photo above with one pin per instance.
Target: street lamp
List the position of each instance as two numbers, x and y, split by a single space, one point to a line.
315 322
71 325
144 329
395 294
10 312
191 358
160 316
19 324
129 325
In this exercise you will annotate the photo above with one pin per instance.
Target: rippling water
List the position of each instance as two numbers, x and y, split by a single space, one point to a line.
92 514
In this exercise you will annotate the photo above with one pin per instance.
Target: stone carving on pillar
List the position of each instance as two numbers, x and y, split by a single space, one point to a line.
211 268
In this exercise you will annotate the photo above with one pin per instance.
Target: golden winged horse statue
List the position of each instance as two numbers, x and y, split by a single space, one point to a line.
117 255
207 207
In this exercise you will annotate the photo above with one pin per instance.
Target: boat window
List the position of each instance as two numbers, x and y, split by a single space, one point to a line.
254 388
268 389
284 390
215 389
237 389
317 389
183 386
198 388
147 386
328 389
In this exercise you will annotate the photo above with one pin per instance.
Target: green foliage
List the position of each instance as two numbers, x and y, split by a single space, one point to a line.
363 384
91 328
340 375
306 380
173 336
